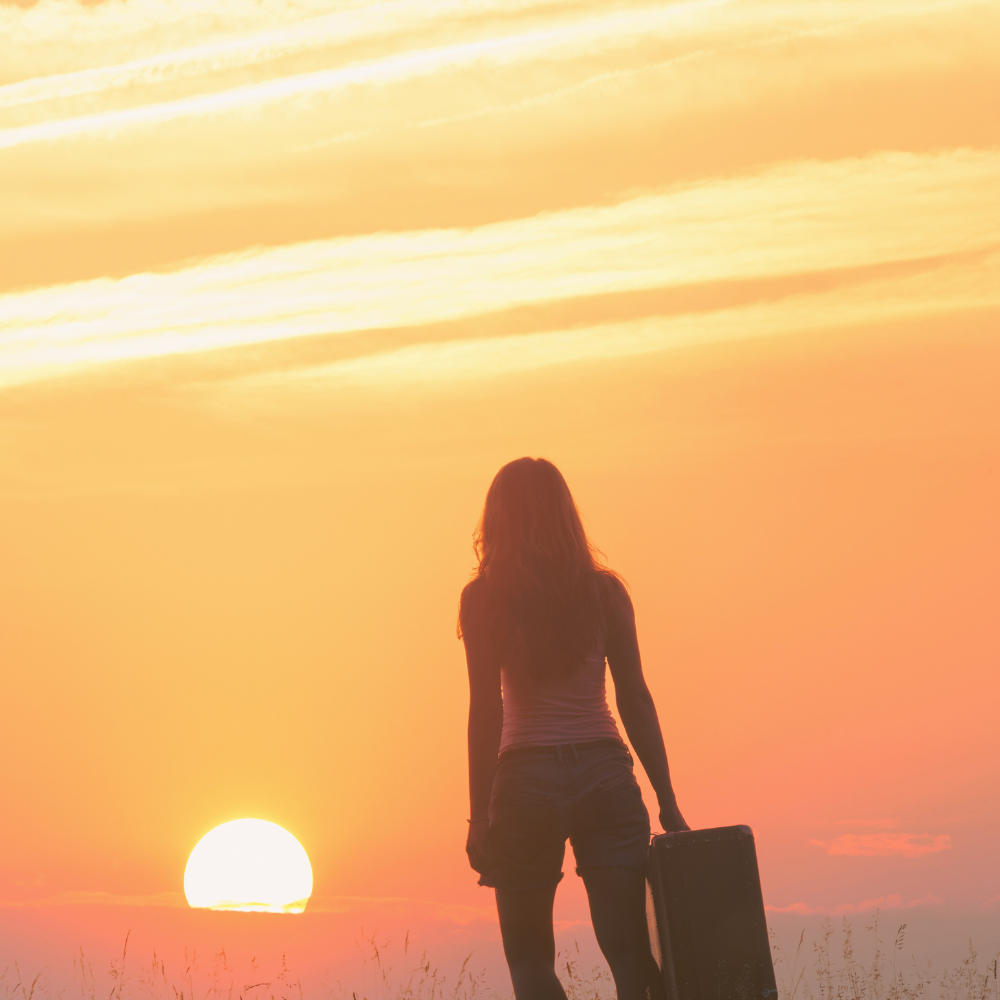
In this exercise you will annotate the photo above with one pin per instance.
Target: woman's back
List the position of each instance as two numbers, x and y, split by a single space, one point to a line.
557 709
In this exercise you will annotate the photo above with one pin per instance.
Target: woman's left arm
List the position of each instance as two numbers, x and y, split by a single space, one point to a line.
485 729
635 705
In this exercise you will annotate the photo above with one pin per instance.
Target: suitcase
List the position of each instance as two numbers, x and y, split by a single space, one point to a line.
706 915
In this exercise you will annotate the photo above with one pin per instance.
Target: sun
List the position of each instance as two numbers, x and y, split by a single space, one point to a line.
249 864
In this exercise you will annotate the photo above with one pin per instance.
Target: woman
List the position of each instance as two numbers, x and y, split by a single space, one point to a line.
546 762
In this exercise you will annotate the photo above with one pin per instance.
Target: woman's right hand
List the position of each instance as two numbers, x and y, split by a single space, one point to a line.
475 846
671 819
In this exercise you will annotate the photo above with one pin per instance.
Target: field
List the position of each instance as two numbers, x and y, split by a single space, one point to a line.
826 968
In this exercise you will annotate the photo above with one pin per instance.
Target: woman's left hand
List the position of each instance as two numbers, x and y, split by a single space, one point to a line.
475 846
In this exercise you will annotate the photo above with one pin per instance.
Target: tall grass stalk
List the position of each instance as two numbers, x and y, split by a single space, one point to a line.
826 970
836 974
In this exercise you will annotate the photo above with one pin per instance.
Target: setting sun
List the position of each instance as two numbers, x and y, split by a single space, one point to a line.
251 865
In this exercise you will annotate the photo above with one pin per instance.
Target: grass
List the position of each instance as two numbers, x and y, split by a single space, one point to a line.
826 969
834 973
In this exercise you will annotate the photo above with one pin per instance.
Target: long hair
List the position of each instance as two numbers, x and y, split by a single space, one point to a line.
539 574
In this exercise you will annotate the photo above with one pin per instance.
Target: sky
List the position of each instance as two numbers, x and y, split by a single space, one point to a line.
282 286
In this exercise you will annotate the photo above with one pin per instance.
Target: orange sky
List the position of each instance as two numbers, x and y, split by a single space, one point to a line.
282 286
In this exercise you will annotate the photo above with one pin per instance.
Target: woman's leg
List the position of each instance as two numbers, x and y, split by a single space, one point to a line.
529 942
618 910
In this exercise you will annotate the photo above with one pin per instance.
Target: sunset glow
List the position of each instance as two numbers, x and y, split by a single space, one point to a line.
284 283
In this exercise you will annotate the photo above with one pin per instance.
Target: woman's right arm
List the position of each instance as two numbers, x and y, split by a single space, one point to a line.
635 703
485 725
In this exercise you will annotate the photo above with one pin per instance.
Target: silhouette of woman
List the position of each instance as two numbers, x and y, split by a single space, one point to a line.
546 762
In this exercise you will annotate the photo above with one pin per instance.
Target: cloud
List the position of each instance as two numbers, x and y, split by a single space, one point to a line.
793 219
384 905
62 49
298 31
278 121
397 42
891 902
903 845
462 362
871 824
563 40
802 908
391 905
78 898
150 42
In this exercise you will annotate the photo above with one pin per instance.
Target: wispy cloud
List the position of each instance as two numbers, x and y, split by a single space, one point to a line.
803 909
158 135
384 905
870 824
666 33
464 361
258 48
891 902
790 220
81 898
61 50
242 36
565 39
391 905
885 845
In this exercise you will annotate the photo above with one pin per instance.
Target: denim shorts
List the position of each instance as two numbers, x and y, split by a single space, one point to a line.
544 795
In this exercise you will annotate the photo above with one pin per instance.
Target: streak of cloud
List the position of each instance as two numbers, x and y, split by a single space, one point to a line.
278 30
72 897
279 41
689 29
871 824
157 169
463 362
459 914
884 845
790 220
893 901
803 909
562 40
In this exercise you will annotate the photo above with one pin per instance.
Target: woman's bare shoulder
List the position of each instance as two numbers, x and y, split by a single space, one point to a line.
614 595
472 592
471 603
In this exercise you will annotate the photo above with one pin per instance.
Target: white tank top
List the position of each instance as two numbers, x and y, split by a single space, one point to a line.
562 710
